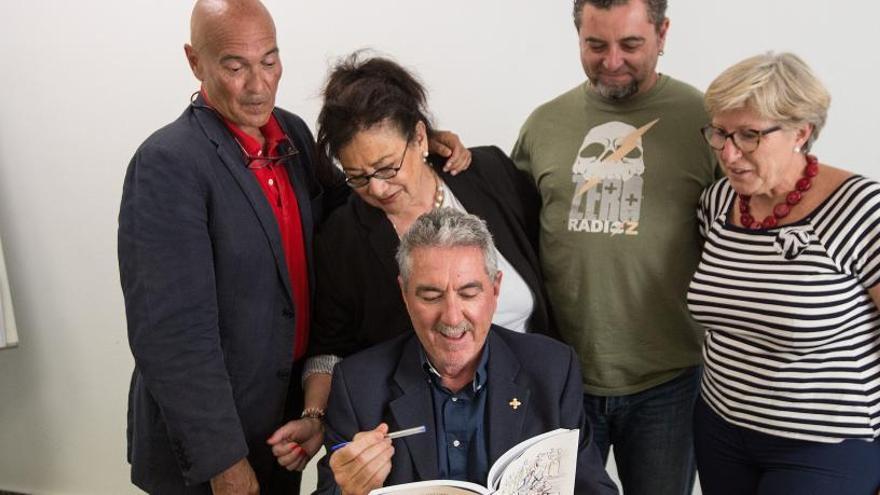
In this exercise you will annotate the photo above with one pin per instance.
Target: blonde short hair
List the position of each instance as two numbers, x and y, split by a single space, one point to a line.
778 87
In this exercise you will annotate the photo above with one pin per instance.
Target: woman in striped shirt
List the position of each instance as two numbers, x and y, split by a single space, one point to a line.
787 289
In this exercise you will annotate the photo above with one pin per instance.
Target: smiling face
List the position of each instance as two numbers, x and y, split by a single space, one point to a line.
619 48
770 170
451 300
235 56
382 146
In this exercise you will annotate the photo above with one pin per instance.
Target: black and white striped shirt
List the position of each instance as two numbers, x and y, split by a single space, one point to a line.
792 336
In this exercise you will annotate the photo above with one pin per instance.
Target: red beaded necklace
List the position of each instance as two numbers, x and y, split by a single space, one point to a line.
782 209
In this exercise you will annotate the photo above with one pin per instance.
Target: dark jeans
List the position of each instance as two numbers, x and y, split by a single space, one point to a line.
651 434
739 461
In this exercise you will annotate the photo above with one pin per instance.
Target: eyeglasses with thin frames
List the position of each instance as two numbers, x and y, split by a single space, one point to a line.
284 148
747 140
384 173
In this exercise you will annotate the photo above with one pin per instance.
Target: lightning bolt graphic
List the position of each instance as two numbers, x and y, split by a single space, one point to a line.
626 145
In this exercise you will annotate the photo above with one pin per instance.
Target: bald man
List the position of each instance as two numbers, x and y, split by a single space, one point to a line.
215 232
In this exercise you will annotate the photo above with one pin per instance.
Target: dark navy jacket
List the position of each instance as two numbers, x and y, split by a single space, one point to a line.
386 383
208 299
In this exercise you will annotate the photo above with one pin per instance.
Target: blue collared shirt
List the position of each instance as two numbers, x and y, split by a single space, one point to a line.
459 422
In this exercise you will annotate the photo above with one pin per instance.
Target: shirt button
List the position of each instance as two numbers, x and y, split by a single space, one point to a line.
456 443
455 399
271 182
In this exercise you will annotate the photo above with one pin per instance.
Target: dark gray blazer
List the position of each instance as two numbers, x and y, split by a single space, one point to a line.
386 383
208 300
359 303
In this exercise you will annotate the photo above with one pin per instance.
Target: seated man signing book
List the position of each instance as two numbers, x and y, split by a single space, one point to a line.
478 389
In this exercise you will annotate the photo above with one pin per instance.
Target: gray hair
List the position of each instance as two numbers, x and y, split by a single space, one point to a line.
656 9
447 228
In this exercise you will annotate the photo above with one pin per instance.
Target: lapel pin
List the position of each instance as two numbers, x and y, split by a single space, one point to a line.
515 403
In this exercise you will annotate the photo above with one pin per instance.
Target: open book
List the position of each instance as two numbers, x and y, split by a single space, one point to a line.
543 464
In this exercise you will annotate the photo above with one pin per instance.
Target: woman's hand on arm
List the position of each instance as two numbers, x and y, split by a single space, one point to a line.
295 443
447 144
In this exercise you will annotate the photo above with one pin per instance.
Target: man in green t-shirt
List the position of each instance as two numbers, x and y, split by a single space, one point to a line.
620 166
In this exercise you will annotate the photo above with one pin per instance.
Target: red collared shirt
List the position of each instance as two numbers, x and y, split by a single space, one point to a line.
275 183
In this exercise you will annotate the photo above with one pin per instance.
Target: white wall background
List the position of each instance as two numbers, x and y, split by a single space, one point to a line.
83 83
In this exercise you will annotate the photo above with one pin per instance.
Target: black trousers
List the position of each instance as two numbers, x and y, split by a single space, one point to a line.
740 461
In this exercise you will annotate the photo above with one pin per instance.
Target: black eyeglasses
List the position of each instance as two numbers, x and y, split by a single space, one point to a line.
747 140
384 173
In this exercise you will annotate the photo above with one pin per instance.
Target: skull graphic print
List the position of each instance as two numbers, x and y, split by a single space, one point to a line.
607 173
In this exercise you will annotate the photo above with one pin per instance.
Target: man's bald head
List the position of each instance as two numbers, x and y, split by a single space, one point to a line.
212 17
233 52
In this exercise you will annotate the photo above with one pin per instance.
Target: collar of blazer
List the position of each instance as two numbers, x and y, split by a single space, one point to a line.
413 407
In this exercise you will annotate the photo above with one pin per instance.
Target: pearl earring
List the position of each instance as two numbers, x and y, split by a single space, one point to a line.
797 149
425 156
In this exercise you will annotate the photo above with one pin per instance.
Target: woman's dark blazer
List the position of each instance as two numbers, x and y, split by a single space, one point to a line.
358 302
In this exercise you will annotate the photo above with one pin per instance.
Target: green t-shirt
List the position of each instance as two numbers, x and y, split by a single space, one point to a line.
620 183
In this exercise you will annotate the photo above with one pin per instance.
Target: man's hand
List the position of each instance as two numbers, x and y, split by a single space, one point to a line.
447 144
295 443
239 479
364 463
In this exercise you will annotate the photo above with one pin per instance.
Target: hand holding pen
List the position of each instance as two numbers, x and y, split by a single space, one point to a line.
391 436
364 463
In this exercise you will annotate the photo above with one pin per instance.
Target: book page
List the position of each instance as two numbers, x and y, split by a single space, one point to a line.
435 487
542 465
